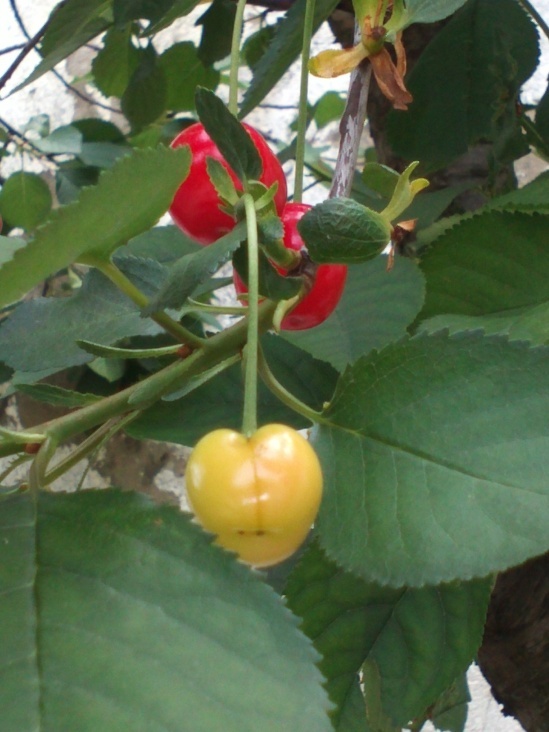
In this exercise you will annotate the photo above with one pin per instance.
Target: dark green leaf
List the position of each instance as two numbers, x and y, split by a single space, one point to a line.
42 334
283 51
484 54
178 9
126 10
231 138
121 615
380 178
98 130
491 272
71 25
71 177
435 457
192 269
25 200
542 119
376 308
146 95
184 71
215 43
105 216
219 403
102 154
533 197
342 230
256 45
57 396
449 714
115 63
352 622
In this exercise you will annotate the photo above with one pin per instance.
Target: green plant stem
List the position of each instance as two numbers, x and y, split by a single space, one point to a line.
195 306
287 398
235 57
40 463
118 278
219 347
531 10
249 418
303 98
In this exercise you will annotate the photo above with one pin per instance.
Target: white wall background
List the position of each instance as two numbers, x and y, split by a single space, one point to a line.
49 96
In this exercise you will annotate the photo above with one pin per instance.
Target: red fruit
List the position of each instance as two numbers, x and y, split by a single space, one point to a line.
327 288
195 207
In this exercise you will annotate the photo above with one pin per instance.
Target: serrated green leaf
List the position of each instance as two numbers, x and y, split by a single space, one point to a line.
122 615
221 180
42 334
490 272
484 54
391 301
533 197
57 396
341 230
352 622
257 44
234 143
219 403
114 65
192 269
179 8
146 96
25 200
71 25
435 457
283 51
104 217
184 71
272 285
429 11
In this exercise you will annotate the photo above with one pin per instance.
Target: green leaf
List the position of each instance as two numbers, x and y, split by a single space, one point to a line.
429 11
435 456
283 51
490 272
449 714
114 65
165 244
542 120
42 334
58 397
341 230
380 178
126 10
533 197
257 44
192 269
71 25
215 42
184 71
178 9
222 181
219 403
352 717
272 285
234 143
484 54
97 349
329 108
65 140
8 246
418 640
104 217
121 615
146 96
25 200
390 299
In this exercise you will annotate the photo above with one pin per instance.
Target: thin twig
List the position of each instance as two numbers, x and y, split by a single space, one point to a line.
66 84
27 48
11 49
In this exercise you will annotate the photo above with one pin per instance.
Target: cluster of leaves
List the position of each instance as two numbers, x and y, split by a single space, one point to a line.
430 383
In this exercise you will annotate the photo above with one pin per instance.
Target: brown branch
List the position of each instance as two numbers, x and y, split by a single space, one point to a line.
27 48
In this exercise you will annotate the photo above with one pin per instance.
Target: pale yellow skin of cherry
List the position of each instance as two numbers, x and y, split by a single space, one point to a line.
259 495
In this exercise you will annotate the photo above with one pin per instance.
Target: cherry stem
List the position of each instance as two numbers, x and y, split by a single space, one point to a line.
118 278
308 23
235 56
286 397
249 418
